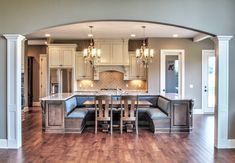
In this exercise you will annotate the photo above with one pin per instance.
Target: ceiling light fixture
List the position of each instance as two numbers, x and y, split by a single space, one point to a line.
47 35
133 35
175 35
91 54
90 35
144 54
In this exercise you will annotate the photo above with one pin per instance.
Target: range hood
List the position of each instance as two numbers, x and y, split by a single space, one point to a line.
110 68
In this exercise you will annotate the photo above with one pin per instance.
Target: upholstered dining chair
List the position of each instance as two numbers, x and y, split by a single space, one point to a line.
129 113
103 110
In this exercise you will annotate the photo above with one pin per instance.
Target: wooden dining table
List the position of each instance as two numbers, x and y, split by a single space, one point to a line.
116 103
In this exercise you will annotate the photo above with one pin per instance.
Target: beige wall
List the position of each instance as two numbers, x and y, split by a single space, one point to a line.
26 16
193 64
3 89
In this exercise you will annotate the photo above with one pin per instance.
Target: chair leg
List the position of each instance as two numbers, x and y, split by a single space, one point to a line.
136 127
111 123
121 125
96 125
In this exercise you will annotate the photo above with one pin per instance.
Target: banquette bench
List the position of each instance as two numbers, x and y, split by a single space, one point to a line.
157 116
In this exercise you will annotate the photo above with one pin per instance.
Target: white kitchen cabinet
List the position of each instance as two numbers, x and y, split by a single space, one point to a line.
82 70
137 71
113 52
61 55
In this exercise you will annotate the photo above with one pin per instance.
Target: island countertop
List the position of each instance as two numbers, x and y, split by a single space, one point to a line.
65 96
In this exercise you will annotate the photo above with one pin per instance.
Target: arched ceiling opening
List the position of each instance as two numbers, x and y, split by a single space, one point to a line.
115 29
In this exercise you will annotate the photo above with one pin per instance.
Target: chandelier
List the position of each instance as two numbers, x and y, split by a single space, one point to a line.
144 55
91 54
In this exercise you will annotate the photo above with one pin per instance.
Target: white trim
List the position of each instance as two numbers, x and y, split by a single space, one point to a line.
222 93
14 51
205 54
198 111
200 37
181 56
36 104
227 144
3 143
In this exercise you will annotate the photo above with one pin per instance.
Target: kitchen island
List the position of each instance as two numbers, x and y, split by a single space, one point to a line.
57 108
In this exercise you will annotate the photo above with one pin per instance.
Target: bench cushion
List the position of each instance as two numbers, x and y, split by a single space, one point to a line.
82 99
155 113
143 110
78 113
70 104
151 99
163 104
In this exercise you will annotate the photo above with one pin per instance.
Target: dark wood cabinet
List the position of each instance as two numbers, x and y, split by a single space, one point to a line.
53 116
181 115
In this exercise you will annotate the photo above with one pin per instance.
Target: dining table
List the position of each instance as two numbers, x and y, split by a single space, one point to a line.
117 103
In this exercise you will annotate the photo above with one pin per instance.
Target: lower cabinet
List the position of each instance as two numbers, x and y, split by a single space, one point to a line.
83 71
181 115
53 116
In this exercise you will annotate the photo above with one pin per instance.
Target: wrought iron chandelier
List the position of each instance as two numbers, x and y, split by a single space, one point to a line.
144 55
91 54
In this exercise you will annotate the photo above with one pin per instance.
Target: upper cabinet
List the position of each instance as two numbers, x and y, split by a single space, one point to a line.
61 55
113 52
82 70
137 71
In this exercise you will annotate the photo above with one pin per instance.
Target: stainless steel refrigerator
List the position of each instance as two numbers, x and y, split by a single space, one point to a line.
60 80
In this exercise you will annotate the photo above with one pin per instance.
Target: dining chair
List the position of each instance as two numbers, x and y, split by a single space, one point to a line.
129 113
103 110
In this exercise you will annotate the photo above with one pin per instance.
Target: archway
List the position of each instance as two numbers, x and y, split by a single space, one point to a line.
14 44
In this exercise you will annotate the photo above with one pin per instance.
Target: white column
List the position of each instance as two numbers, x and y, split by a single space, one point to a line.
222 93
14 50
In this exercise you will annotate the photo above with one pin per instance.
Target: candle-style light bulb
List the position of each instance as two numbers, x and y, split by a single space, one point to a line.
137 53
151 53
85 52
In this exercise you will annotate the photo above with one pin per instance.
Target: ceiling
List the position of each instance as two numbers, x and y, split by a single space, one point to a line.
113 29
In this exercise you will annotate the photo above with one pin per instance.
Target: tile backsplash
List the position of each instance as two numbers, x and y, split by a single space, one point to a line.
113 80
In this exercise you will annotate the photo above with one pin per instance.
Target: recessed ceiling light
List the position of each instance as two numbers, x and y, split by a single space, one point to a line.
133 35
90 35
47 35
175 35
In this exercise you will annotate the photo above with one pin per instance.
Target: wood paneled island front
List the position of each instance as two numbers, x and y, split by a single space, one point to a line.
66 112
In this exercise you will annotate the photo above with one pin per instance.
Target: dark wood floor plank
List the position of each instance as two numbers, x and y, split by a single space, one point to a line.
196 147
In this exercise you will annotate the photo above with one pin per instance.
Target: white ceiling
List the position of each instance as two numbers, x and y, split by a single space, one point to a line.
112 29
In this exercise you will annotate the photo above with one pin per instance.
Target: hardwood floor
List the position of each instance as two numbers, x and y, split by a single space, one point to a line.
104 148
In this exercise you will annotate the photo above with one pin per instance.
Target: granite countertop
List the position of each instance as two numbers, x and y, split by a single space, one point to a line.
57 97
65 96
174 96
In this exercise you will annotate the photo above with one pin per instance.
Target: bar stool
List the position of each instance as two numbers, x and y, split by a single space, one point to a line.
129 112
103 111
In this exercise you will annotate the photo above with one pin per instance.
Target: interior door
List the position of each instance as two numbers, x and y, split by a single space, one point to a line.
172 72
208 81
30 81
43 75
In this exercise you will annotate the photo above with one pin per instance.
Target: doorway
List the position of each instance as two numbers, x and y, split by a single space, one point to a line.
30 81
172 72
208 81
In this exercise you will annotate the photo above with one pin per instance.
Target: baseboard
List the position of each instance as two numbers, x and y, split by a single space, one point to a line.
198 111
3 144
226 144
36 103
